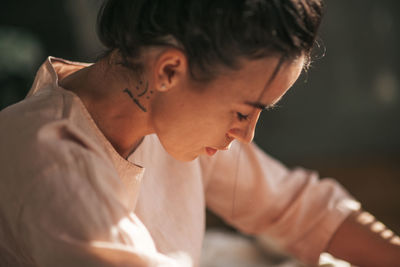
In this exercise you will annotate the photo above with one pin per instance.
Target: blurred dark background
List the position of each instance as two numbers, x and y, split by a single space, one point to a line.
341 118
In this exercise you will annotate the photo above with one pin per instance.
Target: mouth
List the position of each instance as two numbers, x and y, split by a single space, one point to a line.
211 151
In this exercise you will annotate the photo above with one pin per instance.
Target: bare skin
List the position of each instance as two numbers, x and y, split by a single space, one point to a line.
190 118
364 241
112 110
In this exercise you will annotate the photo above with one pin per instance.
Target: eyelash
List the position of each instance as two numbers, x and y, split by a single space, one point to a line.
242 117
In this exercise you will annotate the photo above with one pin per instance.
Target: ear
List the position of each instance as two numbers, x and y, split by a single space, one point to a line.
170 69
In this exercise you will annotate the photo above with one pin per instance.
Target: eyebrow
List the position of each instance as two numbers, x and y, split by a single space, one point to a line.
259 105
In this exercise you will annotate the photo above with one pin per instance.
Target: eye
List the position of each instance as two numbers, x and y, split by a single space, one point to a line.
242 117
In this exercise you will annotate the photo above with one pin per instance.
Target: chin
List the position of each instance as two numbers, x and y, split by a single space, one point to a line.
184 157
179 154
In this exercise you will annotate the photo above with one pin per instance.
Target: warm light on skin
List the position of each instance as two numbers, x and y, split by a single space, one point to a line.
190 117
395 241
364 241
365 218
377 227
387 234
194 115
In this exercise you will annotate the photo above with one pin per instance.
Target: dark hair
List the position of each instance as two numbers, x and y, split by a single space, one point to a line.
210 32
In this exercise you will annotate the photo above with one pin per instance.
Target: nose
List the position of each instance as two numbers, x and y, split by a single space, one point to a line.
244 133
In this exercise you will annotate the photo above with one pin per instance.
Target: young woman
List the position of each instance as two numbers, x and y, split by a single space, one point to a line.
179 81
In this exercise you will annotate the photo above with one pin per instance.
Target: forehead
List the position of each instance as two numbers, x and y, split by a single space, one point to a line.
284 75
263 80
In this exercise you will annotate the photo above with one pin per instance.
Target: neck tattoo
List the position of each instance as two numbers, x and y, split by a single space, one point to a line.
140 94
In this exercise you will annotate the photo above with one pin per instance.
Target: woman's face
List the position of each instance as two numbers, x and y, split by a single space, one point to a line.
194 119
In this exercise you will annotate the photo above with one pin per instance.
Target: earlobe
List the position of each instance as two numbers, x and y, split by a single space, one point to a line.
163 87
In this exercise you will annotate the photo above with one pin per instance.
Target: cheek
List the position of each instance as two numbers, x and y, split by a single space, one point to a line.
176 127
189 128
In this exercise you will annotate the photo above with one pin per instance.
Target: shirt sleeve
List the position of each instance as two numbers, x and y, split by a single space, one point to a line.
72 215
260 196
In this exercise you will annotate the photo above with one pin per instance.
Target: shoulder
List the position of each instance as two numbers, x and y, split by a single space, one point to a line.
53 179
23 122
42 144
42 127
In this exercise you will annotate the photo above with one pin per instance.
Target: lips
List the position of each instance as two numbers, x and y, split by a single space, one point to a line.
211 151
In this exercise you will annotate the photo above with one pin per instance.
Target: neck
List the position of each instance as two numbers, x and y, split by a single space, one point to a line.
117 105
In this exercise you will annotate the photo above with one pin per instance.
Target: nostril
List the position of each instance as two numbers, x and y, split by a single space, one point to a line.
229 138
234 133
